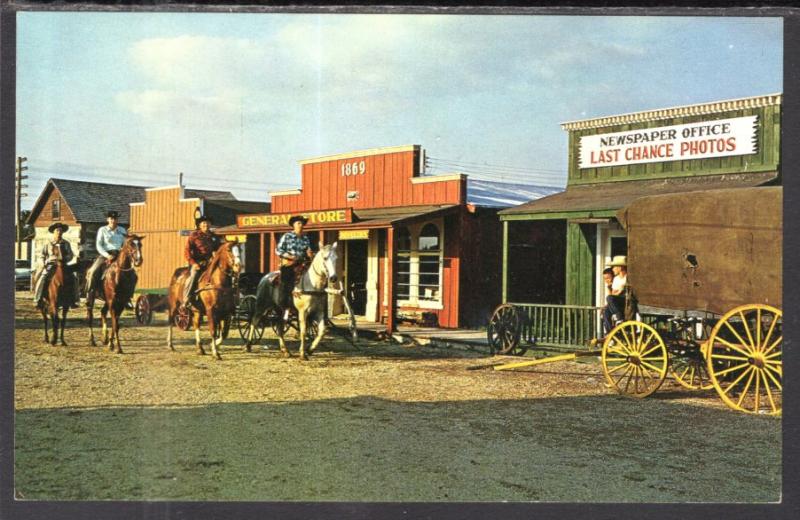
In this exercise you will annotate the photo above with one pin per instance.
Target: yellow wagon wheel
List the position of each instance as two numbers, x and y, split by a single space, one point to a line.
744 359
634 359
692 371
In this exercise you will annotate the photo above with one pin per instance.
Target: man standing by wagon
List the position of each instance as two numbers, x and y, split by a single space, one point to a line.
109 242
294 249
200 246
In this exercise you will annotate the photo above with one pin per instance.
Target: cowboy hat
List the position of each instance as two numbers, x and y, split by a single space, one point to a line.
112 214
298 218
618 260
202 218
57 225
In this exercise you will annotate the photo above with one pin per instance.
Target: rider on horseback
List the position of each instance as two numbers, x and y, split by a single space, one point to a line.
110 239
199 247
294 250
56 251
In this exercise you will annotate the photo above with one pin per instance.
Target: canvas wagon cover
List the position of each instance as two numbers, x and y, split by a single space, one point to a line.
707 250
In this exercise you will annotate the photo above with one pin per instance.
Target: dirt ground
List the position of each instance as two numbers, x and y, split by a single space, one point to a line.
376 422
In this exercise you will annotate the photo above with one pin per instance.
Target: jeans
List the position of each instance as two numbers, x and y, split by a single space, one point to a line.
615 307
287 284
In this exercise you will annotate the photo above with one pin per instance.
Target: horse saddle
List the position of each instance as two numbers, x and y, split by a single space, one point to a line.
273 278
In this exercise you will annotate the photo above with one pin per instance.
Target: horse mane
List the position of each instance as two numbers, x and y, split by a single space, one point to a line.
212 264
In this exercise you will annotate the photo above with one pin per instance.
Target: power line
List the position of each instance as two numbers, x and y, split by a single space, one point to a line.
490 169
494 166
150 181
148 174
545 181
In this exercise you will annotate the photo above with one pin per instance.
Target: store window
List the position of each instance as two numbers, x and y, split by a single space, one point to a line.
429 262
403 264
419 269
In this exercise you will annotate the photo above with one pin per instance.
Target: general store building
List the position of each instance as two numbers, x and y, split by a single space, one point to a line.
556 247
412 247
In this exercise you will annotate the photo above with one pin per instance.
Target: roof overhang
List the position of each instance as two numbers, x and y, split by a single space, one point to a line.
602 200
362 219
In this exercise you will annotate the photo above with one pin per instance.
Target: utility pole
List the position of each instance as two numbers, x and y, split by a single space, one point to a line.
19 194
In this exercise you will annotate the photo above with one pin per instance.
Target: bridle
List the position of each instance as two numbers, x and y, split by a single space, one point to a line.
125 251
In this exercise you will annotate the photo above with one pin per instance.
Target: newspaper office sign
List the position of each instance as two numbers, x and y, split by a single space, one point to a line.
717 138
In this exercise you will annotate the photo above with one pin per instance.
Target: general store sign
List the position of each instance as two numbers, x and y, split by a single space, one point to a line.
717 138
332 216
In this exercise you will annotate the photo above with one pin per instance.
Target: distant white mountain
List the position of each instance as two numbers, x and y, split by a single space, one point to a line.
505 194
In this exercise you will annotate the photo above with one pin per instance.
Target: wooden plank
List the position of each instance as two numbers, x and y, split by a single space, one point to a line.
505 262
391 325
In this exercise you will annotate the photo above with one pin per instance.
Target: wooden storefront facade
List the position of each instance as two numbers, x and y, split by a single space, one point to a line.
569 237
166 216
411 246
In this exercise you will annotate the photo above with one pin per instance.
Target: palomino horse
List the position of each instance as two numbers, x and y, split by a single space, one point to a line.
58 294
215 295
116 289
309 298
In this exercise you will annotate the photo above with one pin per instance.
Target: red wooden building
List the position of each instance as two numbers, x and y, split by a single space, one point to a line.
412 247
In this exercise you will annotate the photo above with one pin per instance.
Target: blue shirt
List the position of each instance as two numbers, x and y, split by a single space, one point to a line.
291 244
110 240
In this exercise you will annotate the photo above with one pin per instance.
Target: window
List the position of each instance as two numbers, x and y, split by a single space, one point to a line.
403 264
429 261
56 209
419 270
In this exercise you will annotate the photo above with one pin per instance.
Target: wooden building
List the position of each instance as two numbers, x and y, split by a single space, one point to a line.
82 206
412 247
555 248
166 217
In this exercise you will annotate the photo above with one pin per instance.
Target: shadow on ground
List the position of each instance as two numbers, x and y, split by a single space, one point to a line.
572 449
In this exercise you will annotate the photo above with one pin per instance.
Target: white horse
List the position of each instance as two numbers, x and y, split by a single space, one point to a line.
309 296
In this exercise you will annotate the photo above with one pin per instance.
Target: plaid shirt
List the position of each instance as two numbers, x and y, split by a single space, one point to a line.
291 244
200 246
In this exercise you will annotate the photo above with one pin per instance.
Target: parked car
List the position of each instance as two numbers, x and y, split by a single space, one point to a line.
22 275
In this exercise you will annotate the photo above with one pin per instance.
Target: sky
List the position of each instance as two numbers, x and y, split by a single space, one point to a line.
235 100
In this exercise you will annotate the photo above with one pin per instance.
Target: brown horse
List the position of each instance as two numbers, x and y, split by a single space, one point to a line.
215 296
118 284
59 294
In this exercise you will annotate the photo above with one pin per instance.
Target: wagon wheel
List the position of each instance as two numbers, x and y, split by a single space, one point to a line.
634 359
246 308
143 310
691 371
744 359
504 330
183 318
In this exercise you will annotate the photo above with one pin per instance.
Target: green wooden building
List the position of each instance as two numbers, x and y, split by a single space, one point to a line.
555 248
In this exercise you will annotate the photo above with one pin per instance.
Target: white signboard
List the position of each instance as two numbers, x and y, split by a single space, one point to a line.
718 138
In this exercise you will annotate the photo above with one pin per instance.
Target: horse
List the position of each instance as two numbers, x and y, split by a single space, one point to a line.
58 294
117 286
309 297
215 296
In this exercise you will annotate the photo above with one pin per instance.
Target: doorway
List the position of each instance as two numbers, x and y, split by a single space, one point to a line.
356 275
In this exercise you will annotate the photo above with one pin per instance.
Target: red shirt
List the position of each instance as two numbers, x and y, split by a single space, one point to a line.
200 246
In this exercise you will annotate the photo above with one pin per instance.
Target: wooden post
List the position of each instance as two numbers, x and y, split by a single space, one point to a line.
391 325
262 265
505 261
273 261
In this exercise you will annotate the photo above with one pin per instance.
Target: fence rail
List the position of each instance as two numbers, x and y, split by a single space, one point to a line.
559 325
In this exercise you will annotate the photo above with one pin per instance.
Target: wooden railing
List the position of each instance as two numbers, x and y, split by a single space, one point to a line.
572 326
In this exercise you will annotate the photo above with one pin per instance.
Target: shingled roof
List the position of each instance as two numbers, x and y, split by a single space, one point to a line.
89 201
189 193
